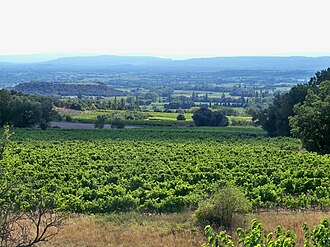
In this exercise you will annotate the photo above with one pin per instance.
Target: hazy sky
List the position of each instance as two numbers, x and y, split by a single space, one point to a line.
169 28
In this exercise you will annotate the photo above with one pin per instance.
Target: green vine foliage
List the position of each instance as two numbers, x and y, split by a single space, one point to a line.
319 236
256 236
6 134
164 169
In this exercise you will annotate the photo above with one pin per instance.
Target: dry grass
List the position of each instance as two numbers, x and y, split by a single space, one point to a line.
290 220
134 229
128 230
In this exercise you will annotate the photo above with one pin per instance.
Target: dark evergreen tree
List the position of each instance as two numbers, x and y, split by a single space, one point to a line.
320 76
206 117
23 110
275 119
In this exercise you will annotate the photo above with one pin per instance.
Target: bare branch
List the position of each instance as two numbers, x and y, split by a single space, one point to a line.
24 228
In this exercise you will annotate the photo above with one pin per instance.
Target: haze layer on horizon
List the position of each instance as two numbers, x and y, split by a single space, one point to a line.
174 29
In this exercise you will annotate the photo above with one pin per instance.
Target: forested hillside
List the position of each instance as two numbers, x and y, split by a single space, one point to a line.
67 89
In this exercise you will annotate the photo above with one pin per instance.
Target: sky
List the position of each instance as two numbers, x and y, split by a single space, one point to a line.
165 28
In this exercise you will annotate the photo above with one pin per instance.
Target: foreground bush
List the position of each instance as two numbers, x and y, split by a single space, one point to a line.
223 208
256 236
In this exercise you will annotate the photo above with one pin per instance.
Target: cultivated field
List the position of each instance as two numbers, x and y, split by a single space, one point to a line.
166 170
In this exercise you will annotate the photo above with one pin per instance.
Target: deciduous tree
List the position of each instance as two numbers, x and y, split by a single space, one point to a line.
312 120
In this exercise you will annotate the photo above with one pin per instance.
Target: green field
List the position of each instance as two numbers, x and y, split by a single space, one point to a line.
164 169
152 118
241 119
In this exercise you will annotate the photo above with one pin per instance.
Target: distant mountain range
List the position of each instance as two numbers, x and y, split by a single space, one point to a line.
134 63
35 58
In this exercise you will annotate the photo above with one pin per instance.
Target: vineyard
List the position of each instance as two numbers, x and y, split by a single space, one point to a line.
162 169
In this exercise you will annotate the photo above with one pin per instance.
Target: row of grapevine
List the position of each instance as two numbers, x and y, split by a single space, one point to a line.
164 170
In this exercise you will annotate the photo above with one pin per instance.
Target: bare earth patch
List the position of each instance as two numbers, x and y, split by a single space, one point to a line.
70 112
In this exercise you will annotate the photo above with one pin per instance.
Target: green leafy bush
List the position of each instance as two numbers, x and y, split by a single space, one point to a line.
118 124
100 121
181 117
257 236
222 208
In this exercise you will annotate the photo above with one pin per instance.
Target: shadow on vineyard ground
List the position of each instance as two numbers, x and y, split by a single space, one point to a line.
140 134
134 229
71 125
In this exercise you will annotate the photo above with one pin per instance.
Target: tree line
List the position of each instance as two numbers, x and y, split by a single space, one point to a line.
303 112
21 110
